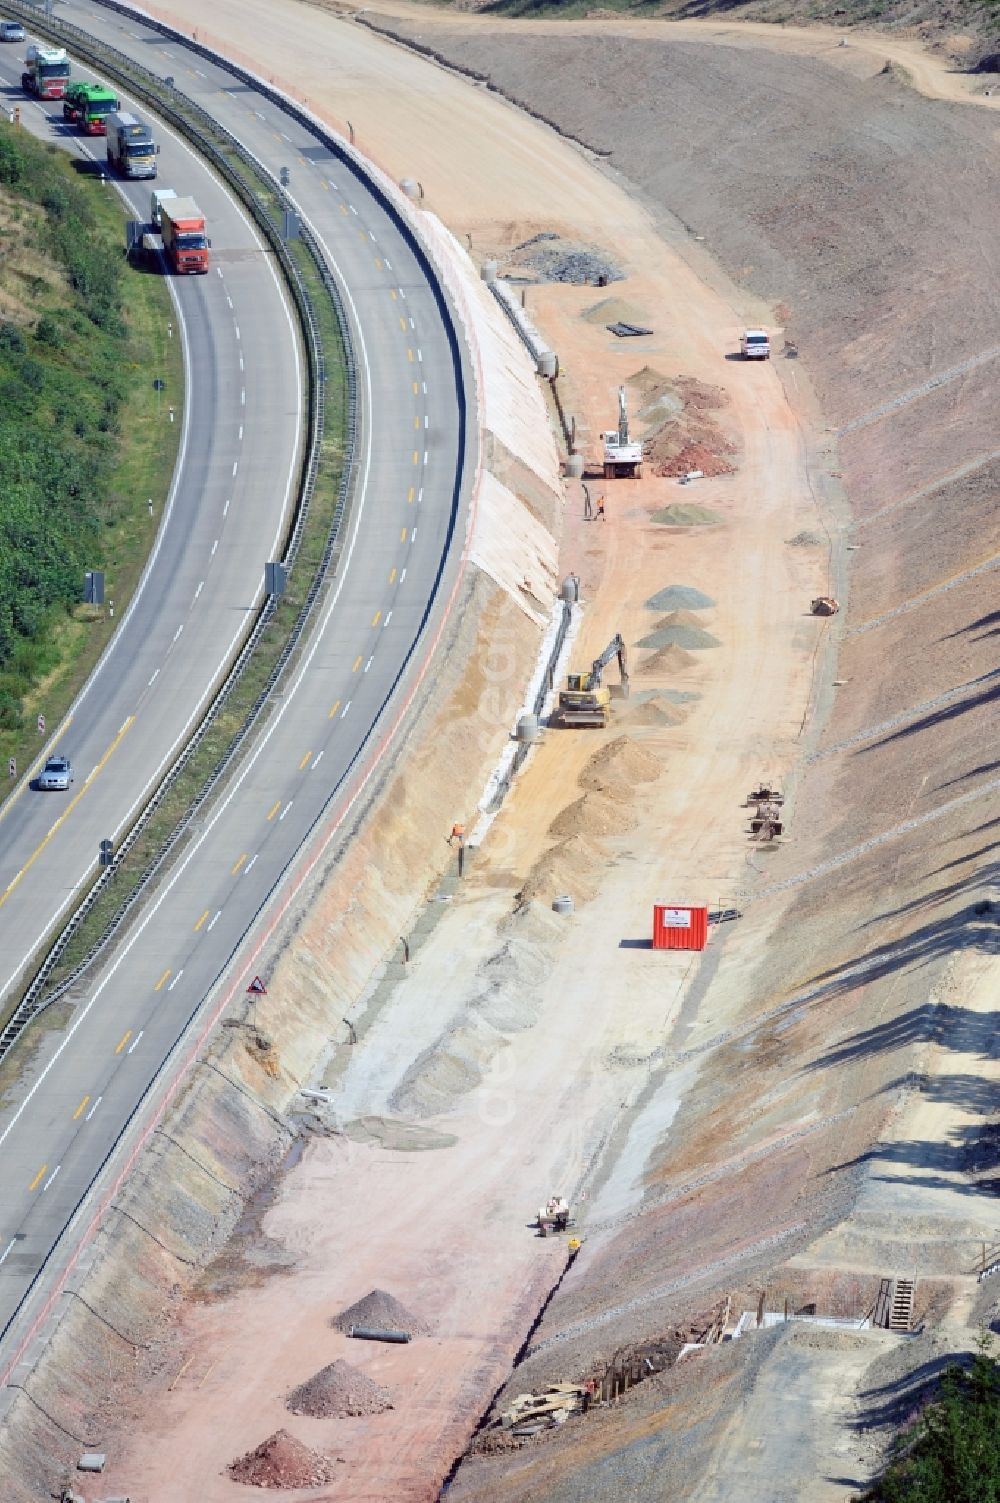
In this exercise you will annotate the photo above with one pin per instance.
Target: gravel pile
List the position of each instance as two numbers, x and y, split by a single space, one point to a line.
338 1391
549 258
382 1312
680 515
679 598
613 310
282 1461
691 638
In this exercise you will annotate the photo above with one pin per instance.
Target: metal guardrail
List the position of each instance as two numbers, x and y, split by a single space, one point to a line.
143 83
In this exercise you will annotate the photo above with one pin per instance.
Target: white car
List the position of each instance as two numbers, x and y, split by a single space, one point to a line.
56 775
11 31
755 345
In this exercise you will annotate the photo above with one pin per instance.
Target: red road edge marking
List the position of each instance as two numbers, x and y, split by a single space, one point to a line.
304 873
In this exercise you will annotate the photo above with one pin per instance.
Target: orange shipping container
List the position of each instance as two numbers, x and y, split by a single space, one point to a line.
679 927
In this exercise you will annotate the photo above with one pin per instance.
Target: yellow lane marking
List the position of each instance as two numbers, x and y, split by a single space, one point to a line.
416 388
35 768
123 1040
416 457
362 235
326 185
411 493
416 422
409 355
201 921
159 984
402 324
38 1178
274 808
392 576
402 534
334 710
392 293
67 811
376 618
343 208
238 864
357 664
378 264
80 1108
305 759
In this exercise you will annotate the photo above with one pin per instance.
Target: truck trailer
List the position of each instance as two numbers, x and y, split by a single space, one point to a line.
89 105
46 72
132 151
182 226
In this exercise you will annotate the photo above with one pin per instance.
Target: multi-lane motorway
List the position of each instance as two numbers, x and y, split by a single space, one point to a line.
83 1098
228 508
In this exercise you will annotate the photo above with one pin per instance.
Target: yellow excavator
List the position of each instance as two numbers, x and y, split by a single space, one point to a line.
585 700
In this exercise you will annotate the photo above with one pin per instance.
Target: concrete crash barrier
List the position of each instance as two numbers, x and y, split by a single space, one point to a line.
546 360
371 1333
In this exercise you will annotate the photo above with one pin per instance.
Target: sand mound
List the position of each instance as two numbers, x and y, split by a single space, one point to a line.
574 866
678 618
681 515
621 761
679 598
338 1391
593 814
382 1311
672 659
615 310
282 1461
652 713
693 455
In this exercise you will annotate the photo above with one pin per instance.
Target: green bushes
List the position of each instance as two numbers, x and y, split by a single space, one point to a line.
60 395
952 1453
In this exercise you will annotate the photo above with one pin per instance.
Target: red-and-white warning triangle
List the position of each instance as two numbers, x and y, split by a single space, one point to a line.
257 987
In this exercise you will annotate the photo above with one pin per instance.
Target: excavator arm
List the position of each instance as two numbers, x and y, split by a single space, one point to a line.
614 649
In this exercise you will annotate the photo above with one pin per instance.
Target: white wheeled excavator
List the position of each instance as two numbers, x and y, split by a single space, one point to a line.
621 455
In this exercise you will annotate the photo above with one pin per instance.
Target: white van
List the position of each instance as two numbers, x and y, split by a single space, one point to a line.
755 345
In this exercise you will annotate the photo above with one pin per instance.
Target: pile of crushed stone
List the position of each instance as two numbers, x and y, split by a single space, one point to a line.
282 1461
680 515
691 638
672 659
382 1312
549 258
338 1391
679 598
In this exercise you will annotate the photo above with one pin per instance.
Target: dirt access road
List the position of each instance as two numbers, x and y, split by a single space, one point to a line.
521 1101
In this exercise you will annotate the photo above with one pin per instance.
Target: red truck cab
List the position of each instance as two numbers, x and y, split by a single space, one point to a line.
182 226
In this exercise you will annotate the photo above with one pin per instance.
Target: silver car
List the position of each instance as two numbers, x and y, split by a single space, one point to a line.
11 31
56 775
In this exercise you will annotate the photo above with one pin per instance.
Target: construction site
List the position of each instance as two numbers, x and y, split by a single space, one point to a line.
620 1119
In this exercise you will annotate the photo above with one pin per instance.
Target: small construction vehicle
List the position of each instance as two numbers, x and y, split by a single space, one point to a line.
621 455
764 794
765 822
553 1216
824 605
585 700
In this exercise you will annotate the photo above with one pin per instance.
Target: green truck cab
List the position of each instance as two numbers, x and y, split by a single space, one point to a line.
89 105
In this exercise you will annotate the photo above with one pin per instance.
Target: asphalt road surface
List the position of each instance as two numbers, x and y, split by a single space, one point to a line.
91 1088
228 508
